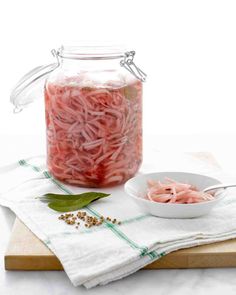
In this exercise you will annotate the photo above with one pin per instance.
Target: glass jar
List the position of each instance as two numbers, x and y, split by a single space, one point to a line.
93 106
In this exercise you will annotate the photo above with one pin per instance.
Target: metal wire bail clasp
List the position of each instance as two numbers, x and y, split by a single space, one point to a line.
55 53
129 65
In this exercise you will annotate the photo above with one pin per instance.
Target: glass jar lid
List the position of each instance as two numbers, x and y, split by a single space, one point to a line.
91 51
31 85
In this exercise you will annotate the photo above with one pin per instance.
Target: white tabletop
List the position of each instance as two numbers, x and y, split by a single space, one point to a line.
194 281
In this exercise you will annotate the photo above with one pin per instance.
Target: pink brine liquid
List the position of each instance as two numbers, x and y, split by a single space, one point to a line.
94 134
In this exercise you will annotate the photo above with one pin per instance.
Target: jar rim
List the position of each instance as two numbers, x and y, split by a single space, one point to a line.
91 51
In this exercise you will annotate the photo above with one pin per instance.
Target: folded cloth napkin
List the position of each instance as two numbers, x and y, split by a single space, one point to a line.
99 255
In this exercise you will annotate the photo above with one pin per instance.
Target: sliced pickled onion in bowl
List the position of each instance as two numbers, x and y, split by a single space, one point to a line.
172 191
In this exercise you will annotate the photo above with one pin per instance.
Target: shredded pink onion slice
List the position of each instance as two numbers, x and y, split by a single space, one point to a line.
172 191
94 134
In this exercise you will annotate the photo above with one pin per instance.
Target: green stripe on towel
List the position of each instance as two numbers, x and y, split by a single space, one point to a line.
24 163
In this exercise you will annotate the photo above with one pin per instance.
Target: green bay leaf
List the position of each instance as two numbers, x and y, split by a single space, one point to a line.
130 92
66 203
60 197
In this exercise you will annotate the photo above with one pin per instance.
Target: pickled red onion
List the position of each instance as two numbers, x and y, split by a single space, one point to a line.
94 134
172 191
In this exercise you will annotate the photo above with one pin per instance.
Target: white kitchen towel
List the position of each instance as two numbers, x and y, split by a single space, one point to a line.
99 255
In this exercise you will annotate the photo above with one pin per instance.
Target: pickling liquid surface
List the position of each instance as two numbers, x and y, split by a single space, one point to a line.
94 134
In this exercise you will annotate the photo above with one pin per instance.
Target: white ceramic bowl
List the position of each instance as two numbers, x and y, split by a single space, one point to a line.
136 188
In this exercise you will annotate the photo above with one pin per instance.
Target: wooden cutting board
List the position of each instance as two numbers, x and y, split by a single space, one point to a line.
26 252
